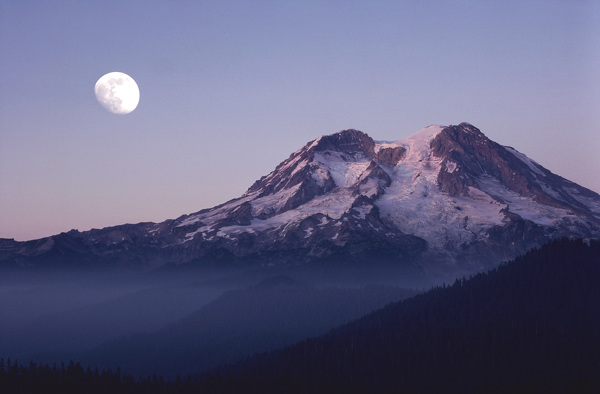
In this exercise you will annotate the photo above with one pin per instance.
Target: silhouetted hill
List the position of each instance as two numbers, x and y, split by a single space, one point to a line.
531 324
277 312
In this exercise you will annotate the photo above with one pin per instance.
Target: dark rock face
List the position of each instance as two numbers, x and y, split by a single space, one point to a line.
468 154
348 141
475 155
308 189
376 172
391 156
240 216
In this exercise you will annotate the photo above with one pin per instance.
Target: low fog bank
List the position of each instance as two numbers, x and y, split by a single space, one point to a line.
43 313
183 322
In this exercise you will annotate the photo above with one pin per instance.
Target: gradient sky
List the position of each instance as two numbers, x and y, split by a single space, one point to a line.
231 88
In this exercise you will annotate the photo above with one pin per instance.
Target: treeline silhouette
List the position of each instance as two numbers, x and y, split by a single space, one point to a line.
74 379
531 325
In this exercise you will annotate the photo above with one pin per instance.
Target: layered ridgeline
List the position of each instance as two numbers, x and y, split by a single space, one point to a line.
445 199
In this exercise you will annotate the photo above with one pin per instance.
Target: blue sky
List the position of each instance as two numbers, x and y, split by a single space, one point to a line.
231 88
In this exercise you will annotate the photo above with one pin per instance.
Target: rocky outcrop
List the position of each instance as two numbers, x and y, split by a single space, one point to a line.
239 216
468 155
297 168
350 141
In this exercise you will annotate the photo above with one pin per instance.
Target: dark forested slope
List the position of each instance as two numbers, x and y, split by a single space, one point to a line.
531 324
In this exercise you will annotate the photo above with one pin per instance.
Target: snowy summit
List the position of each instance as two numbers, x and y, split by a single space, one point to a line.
444 199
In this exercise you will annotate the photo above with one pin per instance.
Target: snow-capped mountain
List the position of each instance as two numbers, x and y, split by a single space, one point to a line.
442 198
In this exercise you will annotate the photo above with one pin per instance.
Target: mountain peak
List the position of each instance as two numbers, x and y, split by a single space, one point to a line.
467 127
349 141
443 194
349 132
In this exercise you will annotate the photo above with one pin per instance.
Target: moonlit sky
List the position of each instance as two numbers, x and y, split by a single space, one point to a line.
229 89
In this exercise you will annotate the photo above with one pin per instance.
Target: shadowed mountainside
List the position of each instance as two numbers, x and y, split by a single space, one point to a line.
528 326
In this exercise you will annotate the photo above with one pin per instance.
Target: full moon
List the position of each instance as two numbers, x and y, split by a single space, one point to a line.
117 92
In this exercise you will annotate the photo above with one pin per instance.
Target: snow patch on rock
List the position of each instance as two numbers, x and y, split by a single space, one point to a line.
344 171
450 166
533 166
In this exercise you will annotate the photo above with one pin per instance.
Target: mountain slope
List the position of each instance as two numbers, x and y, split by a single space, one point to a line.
445 199
528 326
